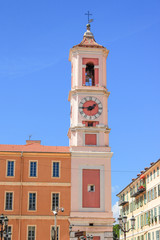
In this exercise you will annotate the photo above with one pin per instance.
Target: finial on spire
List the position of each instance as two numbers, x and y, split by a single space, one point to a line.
89 20
88 32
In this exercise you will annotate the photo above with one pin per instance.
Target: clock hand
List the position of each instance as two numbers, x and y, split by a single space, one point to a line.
90 108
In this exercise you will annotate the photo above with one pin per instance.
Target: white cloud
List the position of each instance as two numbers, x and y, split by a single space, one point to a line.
115 210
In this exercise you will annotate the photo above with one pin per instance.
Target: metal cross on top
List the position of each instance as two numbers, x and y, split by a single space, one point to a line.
89 14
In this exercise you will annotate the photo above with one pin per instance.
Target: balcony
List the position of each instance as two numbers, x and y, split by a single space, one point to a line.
140 190
122 202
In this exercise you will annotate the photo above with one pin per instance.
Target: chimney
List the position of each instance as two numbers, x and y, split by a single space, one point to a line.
33 142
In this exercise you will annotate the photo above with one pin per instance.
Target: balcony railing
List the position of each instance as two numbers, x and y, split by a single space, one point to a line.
122 202
139 191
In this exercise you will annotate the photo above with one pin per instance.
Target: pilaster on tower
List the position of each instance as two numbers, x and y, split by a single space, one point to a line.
89 140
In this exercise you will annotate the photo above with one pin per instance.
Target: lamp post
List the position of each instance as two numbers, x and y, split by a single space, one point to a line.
122 224
4 227
55 212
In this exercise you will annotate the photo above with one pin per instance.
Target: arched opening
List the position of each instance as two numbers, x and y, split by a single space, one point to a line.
89 75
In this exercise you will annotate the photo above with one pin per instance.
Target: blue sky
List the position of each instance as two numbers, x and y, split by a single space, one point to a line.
35 75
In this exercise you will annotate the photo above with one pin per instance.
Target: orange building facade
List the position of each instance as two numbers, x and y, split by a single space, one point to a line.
34 179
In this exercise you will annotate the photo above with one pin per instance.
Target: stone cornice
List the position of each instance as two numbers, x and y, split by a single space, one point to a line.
90 90
37 154
91 155
91 129
88 50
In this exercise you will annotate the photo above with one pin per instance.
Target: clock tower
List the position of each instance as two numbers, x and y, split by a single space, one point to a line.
89 141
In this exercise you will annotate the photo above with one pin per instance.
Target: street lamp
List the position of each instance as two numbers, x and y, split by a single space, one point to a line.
55 212
4 227
122 224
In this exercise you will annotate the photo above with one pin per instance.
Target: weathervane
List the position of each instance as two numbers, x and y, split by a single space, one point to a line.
89 20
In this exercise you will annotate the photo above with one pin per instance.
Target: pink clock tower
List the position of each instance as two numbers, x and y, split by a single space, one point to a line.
89 141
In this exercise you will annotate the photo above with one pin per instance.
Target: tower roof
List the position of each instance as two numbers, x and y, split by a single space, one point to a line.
88 40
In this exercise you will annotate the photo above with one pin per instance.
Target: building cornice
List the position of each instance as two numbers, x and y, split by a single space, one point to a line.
91 154
37 154
88 50
38 184
91 90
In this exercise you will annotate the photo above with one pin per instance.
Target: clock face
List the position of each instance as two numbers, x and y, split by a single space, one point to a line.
90 108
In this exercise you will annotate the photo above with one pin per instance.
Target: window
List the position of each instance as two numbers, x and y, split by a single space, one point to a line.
144 198
52 233
90 124
155 192
158 190
151 176
33 169
141 221
32 201
9 233
154 173
152 216
147 218
31 233
157 235
152 192
141 201
55 200
138 222
147 178
155 214
55 169
149 196
10 169
91 188
89 75
9 201
157 171
149 236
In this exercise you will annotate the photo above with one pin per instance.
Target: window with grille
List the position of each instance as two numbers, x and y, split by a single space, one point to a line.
9 201
31 232
55 169
55 201
33 169
10 168
32 201
52 233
